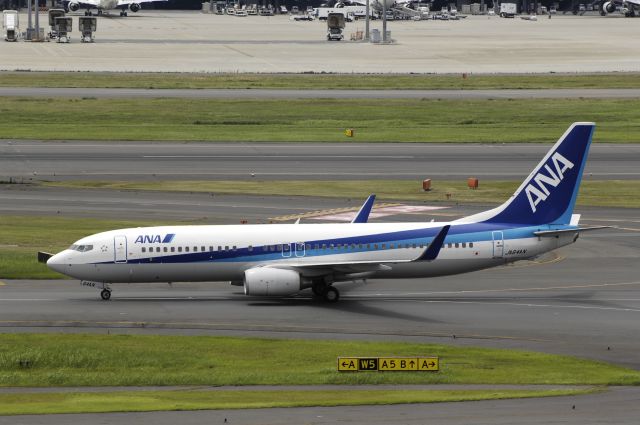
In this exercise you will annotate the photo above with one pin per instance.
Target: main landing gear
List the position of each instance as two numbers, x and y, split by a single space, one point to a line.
327 292
105 294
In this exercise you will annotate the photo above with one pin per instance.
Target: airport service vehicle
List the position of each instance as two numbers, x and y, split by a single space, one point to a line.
10 25
335 25
102 5
508 10
283 259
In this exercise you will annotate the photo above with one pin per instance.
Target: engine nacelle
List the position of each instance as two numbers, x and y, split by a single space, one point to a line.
73 6
270 282
134 7
609 7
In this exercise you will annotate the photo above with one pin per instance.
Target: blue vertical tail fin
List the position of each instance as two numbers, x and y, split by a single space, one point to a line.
548 195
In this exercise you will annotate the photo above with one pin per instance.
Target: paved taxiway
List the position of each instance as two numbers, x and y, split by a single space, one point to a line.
173 41
320 94
79 160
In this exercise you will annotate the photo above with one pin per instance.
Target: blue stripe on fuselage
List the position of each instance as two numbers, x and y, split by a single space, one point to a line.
473 232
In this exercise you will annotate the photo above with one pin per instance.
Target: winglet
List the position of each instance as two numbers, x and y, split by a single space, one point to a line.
365 210
434 247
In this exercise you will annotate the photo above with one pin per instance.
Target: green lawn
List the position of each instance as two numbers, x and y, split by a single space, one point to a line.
144 401
315 120
316 81
128 360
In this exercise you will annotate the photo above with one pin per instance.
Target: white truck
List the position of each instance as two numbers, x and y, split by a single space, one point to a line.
349 12
10 25
508 10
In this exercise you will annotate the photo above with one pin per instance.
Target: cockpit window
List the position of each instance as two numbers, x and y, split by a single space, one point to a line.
81 248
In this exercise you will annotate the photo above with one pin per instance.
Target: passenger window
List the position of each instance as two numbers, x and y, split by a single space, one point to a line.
219 248
250 248
449 245
179 249
384 246
457 245
210 249
307 247
144 249
186 249
226 247
157 249
165 249
470 244
414 245
234 247
375 246
464 244
421 245
195 249
324 246
173 249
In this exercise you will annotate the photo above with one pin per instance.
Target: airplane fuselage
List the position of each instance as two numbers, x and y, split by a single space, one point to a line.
224 253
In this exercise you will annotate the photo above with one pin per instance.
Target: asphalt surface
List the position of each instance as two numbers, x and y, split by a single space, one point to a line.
190 41
148 161
319 94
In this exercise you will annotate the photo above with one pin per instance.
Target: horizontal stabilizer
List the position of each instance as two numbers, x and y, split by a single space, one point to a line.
434 247
548 233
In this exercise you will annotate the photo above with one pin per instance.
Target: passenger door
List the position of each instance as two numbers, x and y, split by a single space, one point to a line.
120 249
498 244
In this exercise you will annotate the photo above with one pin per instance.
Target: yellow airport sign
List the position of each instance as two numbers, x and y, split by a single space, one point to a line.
384 364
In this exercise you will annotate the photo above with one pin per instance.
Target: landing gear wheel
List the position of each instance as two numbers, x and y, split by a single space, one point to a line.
319 290
105 294
332 295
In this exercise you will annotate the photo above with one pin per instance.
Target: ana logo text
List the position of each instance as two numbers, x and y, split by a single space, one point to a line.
155 238
537 190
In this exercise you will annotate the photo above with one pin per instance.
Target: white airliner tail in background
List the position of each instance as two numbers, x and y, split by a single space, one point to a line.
283 259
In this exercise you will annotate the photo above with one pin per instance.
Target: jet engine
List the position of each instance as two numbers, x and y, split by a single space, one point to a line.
609 7
266 281
73 6
134 7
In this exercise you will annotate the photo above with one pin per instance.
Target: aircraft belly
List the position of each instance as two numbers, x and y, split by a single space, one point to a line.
194 272
440 267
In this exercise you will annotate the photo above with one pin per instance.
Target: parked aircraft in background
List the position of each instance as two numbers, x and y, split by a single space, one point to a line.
283 259
628 7
102 5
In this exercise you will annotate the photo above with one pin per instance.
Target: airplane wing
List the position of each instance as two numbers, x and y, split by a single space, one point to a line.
636 2
86 3
350 267
128 2
365 210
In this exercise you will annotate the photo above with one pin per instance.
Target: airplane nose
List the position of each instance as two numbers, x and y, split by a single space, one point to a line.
56 262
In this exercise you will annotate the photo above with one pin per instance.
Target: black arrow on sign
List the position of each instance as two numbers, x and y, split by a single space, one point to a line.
432 364
411 363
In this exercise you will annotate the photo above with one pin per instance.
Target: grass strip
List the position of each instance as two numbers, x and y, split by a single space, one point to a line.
140 360
316 81
601 193
145 401
315 120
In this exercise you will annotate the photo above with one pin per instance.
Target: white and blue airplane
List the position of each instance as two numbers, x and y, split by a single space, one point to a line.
284 259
